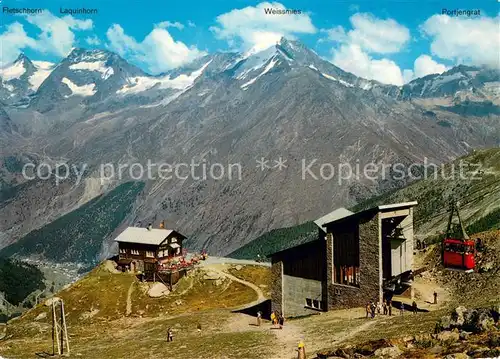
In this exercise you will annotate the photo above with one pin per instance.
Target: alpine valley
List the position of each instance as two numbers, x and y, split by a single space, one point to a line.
95 108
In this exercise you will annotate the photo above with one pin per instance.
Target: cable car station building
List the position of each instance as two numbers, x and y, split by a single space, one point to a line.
356 258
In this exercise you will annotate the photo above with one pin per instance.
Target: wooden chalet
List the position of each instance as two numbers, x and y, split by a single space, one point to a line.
143 249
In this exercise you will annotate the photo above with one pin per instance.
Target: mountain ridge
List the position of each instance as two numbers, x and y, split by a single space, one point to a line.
283 102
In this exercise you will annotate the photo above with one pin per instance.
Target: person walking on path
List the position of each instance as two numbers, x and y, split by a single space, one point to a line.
435 298
170 335
389 307
259 318
384 306
301 351
414 307
273 318
372 309
281 321
368 310
402 309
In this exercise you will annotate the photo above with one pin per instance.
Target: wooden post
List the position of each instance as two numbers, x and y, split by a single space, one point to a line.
64 327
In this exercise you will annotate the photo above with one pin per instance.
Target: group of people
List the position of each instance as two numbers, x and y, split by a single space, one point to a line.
277 319
386 308
372 309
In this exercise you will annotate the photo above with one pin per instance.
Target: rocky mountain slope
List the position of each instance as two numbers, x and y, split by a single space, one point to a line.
225 108
476 187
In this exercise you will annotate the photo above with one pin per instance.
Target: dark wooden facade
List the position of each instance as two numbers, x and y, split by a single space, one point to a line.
145 257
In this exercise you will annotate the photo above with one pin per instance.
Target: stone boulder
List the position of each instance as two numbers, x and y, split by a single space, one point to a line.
212 275
470 320
448 336
52 300
388 352
158 290
41 316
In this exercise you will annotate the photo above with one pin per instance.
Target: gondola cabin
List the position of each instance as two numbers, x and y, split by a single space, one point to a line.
459 254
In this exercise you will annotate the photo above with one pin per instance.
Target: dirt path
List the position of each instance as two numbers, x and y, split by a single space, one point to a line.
260 294
129 299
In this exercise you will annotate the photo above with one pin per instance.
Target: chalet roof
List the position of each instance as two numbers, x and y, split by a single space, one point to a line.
332 216
142 235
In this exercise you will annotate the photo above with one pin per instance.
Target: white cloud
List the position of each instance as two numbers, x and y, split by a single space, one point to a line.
158 51
166 24
56 35
424 65
92 40
191 24
378 35
372 34
251 27
352 58
369 35
12 41
473 41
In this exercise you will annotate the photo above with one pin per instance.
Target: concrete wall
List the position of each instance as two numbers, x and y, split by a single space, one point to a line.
295 292
277 285
407 225
370 265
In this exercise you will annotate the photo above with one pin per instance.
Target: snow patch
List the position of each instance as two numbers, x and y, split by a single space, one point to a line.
311 66
94 66
8 87
338 80
269 66
143 83
43 71
84 90
255 61
440 80
14 71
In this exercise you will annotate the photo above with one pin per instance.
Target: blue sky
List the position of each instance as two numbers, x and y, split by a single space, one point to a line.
390 41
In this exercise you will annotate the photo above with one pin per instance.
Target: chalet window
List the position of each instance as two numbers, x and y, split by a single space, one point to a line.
314 303
134 252
173 240
346 258
347 275
123 251
150 254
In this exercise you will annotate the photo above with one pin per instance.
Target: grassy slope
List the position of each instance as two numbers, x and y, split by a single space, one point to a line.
480 206
276 240
77 236
479 199
109 333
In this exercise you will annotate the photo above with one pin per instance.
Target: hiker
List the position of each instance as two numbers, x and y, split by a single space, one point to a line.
199 327
301 351
259 318
414 307
435 298
170 335
424 244
379 308
419 244
368 309
384 306
273 318
402 309
373 308
281 321
389 306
